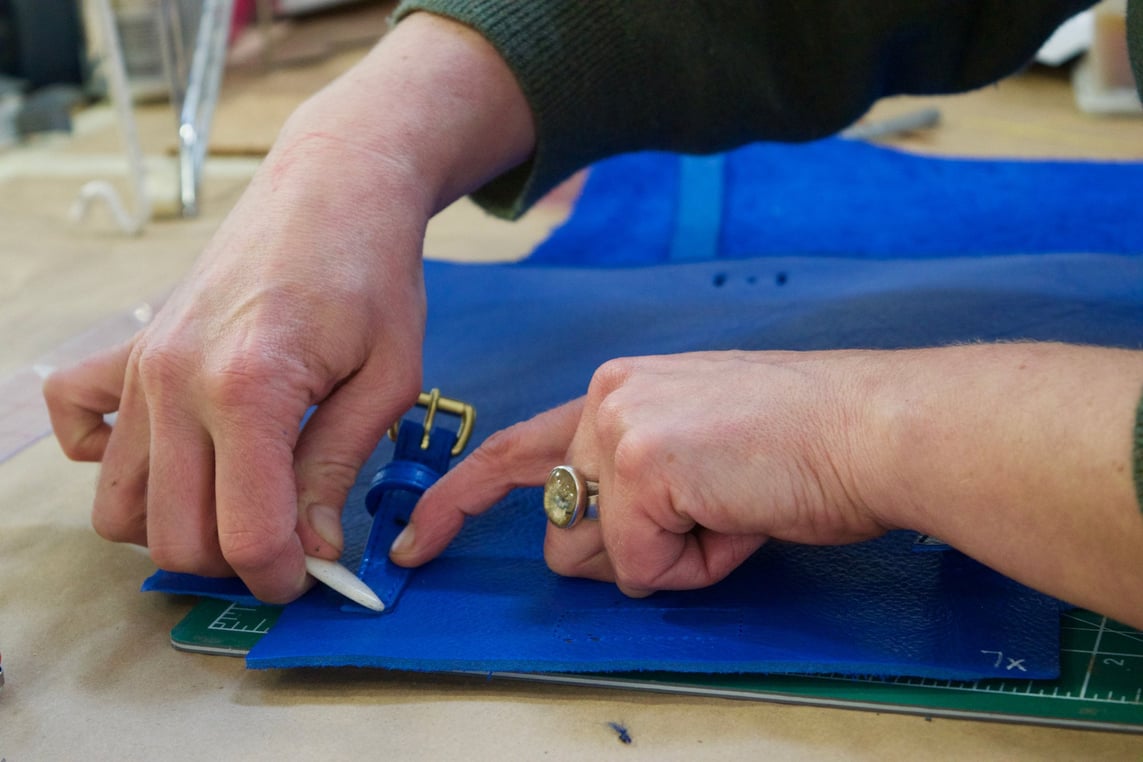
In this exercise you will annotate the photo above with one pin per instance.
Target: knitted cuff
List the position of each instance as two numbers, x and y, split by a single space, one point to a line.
698 76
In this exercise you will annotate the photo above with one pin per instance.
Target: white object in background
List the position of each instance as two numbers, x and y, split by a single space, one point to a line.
1103 80
1072 39
1093 97
121 99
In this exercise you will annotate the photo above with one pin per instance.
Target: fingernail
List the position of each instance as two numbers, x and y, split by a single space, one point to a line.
326 521
403 543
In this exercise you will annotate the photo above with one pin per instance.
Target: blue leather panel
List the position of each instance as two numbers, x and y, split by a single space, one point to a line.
515 340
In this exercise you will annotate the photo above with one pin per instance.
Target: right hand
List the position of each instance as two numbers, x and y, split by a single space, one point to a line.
700 458
1021 455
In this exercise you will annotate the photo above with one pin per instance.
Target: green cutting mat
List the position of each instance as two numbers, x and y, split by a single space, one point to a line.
1100 685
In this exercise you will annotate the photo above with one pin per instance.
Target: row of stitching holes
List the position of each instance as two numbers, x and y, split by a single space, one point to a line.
720 279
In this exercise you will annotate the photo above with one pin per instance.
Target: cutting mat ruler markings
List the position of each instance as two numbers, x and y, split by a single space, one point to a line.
232 619
1100 685
1093 672
223 627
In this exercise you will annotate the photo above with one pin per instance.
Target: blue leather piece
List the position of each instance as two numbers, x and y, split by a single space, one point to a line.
490 603
227 589
850 199
393 493
517 340
399 474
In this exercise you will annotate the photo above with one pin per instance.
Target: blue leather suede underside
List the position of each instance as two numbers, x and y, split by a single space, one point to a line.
845 199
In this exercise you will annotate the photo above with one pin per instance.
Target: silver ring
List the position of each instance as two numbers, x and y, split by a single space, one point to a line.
568 497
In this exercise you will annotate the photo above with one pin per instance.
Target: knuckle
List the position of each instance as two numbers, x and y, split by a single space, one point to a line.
84 443
81 432
77 445
633 578
175 558
555 561
249 550
331 474
610 376
611 419
118 528
500 448
642 568
634 592
560 561
189 559
240 380
160 367
407 384
637 455
56 389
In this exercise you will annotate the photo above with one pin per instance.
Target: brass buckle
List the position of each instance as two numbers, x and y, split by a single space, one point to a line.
432 401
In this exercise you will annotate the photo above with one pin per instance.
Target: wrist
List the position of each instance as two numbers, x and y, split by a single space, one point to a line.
433 106
977 431
941 418
1019 455
870 436
897 421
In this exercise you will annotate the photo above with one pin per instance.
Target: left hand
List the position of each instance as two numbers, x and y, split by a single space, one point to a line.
310 293
700 458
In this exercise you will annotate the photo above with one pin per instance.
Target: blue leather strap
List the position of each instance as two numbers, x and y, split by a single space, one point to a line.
393 494
399 474
698 218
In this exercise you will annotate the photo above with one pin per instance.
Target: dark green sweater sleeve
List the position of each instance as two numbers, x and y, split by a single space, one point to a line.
609 76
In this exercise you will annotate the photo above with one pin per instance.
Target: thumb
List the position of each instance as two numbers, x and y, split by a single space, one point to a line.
334 445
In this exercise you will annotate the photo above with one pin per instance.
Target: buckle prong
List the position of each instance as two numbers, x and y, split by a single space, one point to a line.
432 401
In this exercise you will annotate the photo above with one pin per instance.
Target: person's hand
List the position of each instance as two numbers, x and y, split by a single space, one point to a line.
309 294
700 459
1023 456
281 312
